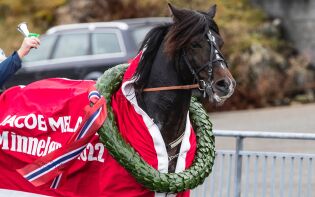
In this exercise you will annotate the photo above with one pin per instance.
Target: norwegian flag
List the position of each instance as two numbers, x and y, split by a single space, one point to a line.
48 167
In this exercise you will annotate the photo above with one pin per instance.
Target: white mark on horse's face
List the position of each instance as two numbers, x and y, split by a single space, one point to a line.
216 92
212 38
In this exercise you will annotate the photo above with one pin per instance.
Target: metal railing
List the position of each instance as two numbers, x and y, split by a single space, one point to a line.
256 173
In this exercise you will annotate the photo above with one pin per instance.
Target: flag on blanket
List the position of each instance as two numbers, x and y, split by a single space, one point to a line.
48 129
52 165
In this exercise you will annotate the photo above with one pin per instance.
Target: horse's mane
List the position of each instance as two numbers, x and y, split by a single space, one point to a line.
150 46
175 37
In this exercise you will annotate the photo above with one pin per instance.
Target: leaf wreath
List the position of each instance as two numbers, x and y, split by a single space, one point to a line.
145 174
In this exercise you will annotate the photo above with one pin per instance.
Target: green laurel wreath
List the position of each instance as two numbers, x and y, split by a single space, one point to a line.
145 174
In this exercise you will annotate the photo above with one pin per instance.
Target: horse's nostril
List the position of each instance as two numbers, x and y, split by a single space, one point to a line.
222 87
222 84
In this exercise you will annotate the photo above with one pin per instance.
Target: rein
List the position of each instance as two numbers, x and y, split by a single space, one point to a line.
163 88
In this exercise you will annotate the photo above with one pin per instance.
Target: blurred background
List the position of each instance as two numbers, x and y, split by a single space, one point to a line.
267 43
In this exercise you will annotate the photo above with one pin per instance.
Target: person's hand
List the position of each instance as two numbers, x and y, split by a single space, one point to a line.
26 46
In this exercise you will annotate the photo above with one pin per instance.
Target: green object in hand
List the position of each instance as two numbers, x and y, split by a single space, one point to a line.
33 35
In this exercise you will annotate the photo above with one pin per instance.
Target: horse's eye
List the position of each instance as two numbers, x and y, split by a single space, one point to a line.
195 45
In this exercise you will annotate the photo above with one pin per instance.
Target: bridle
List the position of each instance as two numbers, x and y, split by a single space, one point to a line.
215 56
204 86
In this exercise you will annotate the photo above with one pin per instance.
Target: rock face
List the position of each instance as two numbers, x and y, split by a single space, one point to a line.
298 18
269 76
78 11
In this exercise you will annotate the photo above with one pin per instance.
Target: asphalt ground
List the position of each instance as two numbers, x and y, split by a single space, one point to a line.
299 118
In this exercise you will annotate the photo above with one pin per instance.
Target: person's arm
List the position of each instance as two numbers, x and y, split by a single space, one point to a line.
13 63
8 67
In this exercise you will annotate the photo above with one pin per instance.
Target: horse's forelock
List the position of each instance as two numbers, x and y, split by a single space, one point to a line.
191 25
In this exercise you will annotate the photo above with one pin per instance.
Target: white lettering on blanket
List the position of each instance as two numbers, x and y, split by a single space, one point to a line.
32 121
10 141
29 145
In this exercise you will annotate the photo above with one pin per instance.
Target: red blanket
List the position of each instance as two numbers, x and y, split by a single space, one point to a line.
36 120
41 117
140 131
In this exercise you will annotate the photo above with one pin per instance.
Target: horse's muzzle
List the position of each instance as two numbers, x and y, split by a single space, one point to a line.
223 89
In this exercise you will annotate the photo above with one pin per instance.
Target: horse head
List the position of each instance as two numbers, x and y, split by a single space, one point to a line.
196 40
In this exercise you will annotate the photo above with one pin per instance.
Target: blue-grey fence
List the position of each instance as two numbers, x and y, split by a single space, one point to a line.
245 173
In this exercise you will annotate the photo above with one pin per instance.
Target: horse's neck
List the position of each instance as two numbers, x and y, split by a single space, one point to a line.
168 109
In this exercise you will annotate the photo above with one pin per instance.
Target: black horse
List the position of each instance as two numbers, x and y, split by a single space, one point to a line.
181 53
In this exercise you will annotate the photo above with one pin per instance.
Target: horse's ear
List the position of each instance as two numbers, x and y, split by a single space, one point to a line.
212 11
175 12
